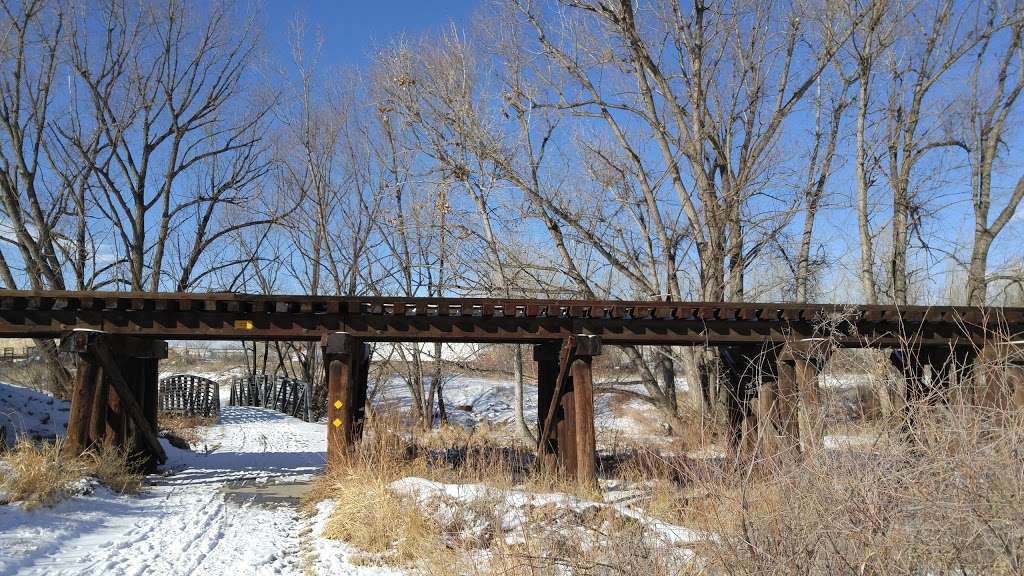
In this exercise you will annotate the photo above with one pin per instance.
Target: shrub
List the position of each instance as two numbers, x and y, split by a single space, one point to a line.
39 474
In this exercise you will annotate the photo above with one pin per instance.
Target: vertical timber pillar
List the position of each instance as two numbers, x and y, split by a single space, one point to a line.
1000 377
114 399
82 399
362 377
768 427
746 367
583 385
116 432
800 408
339 352
98 419
546 356
565 428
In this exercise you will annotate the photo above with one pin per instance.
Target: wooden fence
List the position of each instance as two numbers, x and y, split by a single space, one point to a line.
189 394
293 397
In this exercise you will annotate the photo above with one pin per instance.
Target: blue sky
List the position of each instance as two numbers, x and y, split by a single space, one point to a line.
351 29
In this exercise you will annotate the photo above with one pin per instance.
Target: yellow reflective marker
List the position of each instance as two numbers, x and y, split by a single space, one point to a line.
243 325
337 422
338 404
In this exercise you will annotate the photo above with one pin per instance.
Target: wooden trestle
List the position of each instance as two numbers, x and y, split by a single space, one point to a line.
770 353
114 400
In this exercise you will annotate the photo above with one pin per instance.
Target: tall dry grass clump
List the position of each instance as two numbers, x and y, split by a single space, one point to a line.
114 467
41 474
947 499
385 528
38 474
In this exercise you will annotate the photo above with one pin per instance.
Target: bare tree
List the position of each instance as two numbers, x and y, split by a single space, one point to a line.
712 89
34 210
997 80
179 139
819 169
30 49
870 41
936 35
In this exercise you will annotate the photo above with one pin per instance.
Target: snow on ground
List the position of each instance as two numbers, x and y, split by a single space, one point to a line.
472 400
182 523
513 507
31 413
846 381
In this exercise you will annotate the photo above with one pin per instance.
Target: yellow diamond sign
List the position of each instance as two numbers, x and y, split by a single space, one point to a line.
338 404
337 422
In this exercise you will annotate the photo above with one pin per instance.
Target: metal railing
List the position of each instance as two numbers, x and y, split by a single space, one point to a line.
287 395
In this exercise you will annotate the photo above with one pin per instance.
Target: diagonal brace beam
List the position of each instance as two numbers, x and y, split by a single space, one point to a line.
124 392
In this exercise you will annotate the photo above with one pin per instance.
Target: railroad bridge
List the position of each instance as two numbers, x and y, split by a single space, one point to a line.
120 337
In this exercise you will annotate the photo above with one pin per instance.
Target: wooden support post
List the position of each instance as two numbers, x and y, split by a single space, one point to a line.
930 372
734 366
565 428
78 438
132 409
149 386
134 372
1000 377
768 423
799 397
786 405
362 377
546 356
560 420
583 386
338 351
122 408
98 420
116 431
906 363
745 367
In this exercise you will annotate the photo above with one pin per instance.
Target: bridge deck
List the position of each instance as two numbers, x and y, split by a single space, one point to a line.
227 316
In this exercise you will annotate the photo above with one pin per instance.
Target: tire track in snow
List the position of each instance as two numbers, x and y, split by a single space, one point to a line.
182 523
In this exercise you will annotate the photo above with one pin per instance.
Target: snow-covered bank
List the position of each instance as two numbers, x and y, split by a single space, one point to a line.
516 509
30 413
181 524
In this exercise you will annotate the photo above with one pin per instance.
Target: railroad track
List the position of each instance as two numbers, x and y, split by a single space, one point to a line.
229 316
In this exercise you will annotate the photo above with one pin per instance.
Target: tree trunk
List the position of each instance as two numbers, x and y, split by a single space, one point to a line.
517 369
867 257
976 283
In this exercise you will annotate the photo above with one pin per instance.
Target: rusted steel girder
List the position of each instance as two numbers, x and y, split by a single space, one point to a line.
226 316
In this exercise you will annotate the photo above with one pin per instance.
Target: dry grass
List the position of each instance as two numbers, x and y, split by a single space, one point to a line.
444 536
114 468
30 374
40 474
947 499
384 527
191 429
